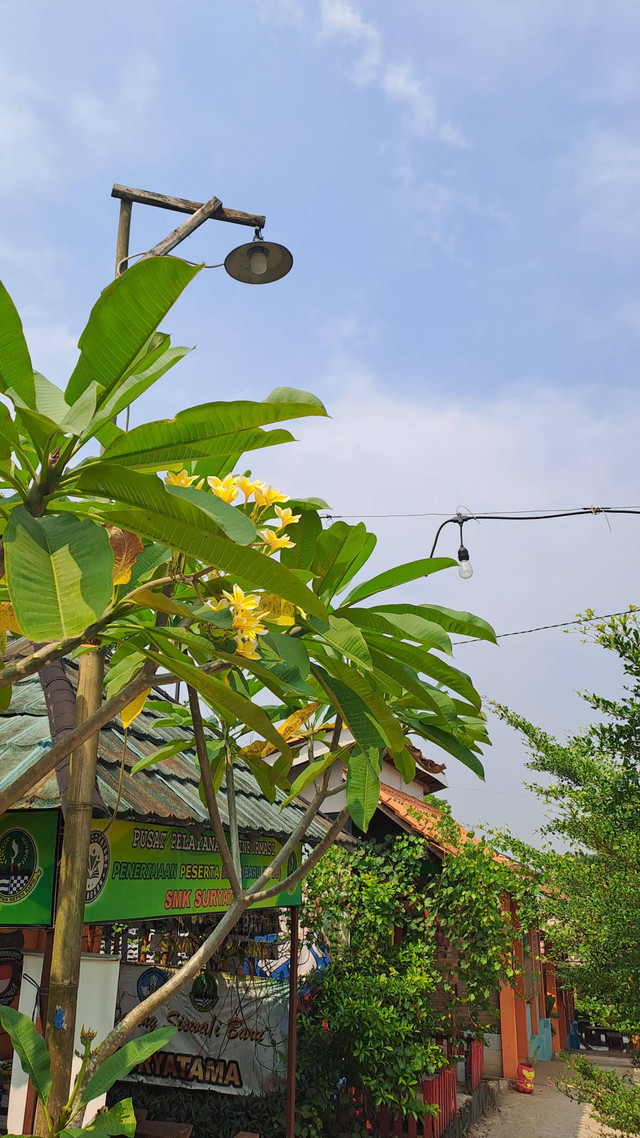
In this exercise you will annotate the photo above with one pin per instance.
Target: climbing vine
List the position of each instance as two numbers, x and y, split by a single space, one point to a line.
419 945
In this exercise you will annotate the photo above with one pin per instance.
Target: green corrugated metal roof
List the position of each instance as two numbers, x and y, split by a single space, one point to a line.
166 793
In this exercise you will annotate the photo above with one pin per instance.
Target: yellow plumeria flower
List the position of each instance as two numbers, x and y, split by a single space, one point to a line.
266 496
247 648
273 542
217 606
248 625
224 488
286 517
248 486
181 479
238 599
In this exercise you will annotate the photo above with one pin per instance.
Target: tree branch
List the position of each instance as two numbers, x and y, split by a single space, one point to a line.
210 794
307 865
53 651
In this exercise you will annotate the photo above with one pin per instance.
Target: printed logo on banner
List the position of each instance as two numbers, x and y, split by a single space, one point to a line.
19 872
99 858
10 974
292 865
204 992
149 982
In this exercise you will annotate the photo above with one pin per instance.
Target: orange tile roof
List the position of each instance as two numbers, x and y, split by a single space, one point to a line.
423 819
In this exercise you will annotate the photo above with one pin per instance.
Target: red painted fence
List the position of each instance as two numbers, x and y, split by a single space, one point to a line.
438 1091
475 1063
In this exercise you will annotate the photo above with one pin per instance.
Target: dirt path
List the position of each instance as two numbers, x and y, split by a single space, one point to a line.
547 1113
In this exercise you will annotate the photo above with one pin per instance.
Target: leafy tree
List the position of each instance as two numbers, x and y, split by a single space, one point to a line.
206 577
592 855
591 861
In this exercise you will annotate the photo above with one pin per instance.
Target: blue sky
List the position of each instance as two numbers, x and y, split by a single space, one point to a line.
459 184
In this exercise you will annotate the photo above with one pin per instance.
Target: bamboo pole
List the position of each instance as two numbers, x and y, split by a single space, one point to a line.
67 939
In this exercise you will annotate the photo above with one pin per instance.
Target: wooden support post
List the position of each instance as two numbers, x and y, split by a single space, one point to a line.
293 1025
122 240
67 939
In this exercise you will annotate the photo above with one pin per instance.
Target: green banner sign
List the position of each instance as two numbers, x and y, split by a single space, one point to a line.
138 871
27 867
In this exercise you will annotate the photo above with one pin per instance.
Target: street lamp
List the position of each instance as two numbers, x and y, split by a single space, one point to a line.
258 262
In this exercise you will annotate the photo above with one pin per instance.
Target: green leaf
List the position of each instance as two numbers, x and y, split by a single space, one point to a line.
120 1119
381 714
221 697
30 1049
59 572
337 549
313 771
146 564
145 507
415 627
124 668
235 524
122 320
406 680
118 1065
363 787
152 368
307 532
208 431
16 371
354 711
400 575
165 752
423 661
341 634
462 623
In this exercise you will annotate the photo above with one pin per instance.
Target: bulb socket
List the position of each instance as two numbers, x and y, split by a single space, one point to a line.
463 553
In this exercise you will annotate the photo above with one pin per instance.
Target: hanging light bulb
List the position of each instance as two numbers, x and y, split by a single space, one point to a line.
464 565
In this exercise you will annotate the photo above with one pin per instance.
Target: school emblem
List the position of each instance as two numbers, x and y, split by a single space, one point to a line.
19 872
99 858
292 865
204 992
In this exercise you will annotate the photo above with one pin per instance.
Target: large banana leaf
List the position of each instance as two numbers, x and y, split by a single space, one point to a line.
138 382
59 573
16 372
122 320
209 431
144 506
118 1065
30 1048
399 575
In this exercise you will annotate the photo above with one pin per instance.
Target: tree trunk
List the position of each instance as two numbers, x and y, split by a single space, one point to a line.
67 941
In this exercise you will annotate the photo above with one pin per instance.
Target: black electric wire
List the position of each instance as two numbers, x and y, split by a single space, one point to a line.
545 627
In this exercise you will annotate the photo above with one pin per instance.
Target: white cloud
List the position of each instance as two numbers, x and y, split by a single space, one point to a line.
342 22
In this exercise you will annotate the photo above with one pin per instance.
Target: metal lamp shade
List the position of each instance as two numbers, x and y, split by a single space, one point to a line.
238 262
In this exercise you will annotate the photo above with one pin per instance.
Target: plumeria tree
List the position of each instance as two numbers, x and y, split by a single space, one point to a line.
158 558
